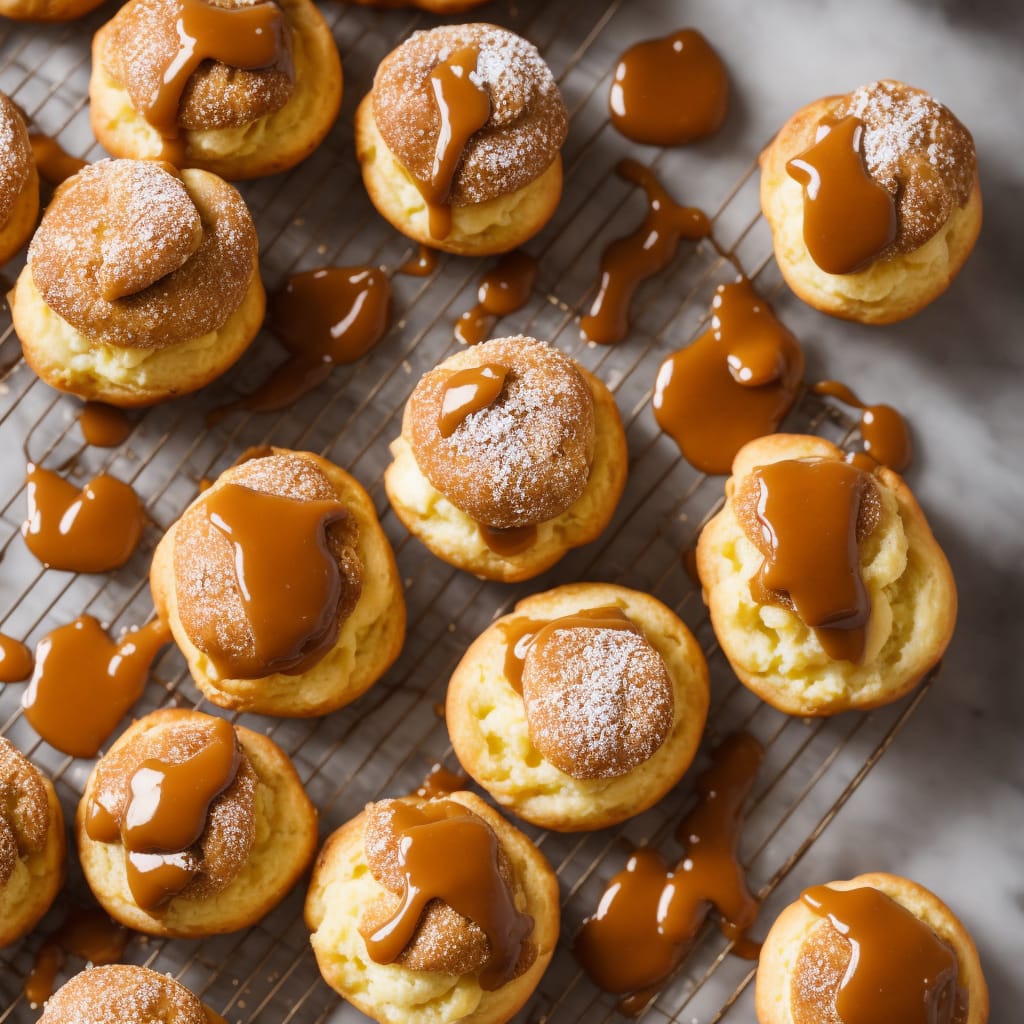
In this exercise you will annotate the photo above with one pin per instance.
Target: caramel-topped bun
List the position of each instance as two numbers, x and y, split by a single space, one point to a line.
460 139
32 849
142 283
19 180
434 910
581 708
280 587
878 947
190 826
826 588
873 200
510 454
242 89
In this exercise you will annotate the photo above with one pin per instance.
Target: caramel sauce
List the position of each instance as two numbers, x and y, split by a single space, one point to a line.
650 914
103 426
15 660
736 382
440 782
504 289
468 391
669 91
849 218
629 261
54 163
84 683
449 854
423 264
166 815
94 529
900 970
884 432
510 541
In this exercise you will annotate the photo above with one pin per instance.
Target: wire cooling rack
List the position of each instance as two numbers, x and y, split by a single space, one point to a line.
384 743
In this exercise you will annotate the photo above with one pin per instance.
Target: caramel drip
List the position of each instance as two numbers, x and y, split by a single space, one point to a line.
468 391
508 542
449 854
669 91
689 557
631 260
849 219
736 382
423 264
440 782
15 660
504 289
166 815
94 529
650 914
884 432
84 684
289 581
900 970
54 163
103 426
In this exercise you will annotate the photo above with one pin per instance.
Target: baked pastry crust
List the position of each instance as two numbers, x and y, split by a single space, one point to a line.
342 887
773 653
489 731
798 925
19 181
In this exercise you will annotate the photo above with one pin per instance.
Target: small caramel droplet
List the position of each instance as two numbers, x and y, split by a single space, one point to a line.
468 391
508 542
440 782
503 289
883 430
15 660
103 426
423 264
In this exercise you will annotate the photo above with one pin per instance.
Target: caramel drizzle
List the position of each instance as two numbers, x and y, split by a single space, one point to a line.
849 218
899 968
734 383
440 782
468 391
509 541
94 529
629 261
449 854
884 432
15 660
166 814
423 264
669 91
83 684
54 163
103 426
649 914
504 289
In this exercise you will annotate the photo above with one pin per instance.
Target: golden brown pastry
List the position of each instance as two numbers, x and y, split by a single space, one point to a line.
19 181
826 588
581 708
189 826
510 455
254 93
325 614
32 847
475 933
892 951
460 139
142 284
873 201
46 10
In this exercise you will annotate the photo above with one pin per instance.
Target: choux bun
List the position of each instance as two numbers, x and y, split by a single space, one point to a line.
19 181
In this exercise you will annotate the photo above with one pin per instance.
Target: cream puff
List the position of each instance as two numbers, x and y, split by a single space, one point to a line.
19 181
581 708
32 846
459 140
189 826
873 201
510 455
142 284
280 587
437 911
878 947
826 588
240 89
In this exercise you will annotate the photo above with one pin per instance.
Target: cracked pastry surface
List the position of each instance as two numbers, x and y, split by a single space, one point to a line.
19 181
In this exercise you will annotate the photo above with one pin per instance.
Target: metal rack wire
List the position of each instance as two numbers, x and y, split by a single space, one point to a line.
383 744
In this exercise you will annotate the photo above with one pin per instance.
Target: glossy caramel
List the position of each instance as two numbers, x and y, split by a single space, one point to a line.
103 426
468 391
504 289
884 432
54 164
15 660
508 542
423 264
440 782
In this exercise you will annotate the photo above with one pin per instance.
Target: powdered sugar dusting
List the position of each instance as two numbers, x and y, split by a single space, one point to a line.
24 809
15 157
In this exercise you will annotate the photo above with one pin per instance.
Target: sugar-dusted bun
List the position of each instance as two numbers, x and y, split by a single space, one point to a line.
352 643
509 179
141 284
548 453
918 152
235 122
608 720
259 836
32 847
804 958
904 571
19 181
441 975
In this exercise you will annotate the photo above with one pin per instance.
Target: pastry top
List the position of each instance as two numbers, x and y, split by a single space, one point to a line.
16 159
24 810
524 457
282 626
134 254
523 134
